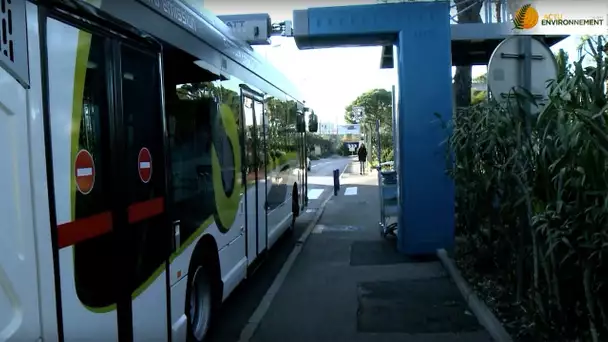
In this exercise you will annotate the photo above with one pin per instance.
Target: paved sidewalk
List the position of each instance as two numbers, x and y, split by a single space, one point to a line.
349 284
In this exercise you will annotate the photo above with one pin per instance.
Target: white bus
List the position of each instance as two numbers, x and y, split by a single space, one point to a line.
149 159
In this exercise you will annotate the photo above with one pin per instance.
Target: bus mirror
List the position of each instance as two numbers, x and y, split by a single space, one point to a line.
313 123
300 123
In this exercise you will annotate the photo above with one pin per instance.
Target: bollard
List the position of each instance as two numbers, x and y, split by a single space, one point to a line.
336 181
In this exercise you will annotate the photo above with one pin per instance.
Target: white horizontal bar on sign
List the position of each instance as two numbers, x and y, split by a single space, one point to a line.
144 165
83 172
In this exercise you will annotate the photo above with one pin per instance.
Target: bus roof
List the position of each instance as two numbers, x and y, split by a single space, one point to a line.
205 36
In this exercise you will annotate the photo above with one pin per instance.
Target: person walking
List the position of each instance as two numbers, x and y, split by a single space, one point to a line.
362 153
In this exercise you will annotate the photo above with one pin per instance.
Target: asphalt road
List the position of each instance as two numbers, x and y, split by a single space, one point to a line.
241 304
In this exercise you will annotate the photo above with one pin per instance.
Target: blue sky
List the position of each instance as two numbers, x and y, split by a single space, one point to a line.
330 79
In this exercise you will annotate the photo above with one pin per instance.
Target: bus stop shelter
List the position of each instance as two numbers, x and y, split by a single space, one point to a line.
427 46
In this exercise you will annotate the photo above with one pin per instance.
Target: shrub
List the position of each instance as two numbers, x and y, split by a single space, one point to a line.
532 194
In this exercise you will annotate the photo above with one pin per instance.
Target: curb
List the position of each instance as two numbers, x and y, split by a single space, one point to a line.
259 313
484 315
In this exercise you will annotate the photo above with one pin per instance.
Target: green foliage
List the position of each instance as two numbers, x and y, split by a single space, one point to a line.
377 106
324 142
478 96
561 57
483 78
343 150
532 200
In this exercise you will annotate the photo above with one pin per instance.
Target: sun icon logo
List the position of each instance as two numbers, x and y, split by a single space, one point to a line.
525 18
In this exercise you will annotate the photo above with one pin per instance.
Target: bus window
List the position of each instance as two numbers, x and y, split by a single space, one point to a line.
230 99
291 134
191 105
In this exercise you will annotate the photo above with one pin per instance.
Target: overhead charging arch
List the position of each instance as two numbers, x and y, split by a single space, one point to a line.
421 34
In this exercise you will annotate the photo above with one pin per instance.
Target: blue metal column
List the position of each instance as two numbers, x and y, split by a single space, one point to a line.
421 31
426 193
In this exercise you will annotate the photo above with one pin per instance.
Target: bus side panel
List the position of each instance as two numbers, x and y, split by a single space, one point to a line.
40 202
18 278
68 63
19 310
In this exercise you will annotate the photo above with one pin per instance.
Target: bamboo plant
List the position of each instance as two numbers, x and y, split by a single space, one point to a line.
532 198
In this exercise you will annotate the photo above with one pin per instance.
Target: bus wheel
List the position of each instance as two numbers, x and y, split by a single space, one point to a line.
200 305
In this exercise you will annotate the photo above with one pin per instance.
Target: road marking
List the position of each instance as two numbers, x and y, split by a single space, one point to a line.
318 229
314 194
352 191
260 311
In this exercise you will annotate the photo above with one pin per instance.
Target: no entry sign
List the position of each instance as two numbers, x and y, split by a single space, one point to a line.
144 164
84 172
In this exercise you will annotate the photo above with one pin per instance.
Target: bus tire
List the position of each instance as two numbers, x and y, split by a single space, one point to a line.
199 304
203 294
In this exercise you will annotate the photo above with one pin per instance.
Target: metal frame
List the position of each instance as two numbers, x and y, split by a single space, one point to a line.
388 212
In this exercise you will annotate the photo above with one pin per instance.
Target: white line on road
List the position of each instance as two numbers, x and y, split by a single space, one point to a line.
314 194
320 164
352 191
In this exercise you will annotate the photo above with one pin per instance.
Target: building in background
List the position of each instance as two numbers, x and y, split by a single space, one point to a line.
351 129
327 128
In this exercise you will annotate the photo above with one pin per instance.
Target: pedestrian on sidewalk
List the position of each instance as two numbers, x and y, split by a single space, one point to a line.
362 153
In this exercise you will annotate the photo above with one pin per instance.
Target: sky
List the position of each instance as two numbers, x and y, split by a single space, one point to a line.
345 73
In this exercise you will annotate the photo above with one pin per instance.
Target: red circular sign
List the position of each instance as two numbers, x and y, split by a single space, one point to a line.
144 165
84 172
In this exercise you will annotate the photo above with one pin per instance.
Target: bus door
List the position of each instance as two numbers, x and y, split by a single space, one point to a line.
108 161
255 198
147 239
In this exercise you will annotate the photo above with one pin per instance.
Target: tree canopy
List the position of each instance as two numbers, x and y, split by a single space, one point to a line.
377 105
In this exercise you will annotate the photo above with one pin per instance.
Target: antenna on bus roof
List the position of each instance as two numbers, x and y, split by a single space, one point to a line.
256 29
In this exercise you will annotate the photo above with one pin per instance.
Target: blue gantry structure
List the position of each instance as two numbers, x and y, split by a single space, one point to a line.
426 46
